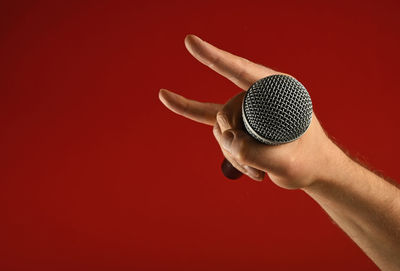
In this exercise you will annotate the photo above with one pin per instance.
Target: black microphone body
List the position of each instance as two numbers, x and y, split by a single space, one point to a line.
276 110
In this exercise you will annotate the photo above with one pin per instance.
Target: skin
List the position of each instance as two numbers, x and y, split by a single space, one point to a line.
365 206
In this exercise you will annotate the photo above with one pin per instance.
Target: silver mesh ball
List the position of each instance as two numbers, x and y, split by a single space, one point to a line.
277 109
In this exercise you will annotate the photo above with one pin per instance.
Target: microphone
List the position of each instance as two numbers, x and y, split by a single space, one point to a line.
276 109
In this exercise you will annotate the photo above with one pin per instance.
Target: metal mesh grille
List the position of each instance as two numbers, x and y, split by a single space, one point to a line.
277 109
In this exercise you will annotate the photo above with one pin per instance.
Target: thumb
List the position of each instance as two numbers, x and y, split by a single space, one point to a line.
243 148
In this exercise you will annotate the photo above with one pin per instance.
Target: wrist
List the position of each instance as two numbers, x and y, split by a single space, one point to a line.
332 165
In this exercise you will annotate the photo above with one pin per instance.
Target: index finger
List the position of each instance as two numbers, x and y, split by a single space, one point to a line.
201 112
240 71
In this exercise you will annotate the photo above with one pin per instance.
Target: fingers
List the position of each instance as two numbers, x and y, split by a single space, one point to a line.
230 115
253 173
244 149
201 112
240 145
240 71
230 118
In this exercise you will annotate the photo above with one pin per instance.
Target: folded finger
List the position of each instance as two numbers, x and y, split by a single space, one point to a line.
230 116
253 173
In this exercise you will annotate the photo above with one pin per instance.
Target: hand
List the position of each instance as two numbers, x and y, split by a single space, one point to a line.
292 165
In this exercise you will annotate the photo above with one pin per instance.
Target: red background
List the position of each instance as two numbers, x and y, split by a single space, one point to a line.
95 174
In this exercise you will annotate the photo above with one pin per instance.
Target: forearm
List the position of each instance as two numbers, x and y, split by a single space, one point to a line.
364 205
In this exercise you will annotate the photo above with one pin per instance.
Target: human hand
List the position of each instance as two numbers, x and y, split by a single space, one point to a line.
292 165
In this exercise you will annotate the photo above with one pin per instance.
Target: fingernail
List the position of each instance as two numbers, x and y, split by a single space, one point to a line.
222 120
192 36
197 37
226 141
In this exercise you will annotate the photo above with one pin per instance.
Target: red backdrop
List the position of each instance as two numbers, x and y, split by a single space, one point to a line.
95 174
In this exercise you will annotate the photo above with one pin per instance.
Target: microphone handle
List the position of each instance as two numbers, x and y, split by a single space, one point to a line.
230 171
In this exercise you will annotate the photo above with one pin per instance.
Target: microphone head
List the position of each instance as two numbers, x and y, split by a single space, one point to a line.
277 109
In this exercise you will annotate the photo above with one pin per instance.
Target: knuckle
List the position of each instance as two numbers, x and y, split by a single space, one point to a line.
215 62
242 152
242 72
241 156
291 167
